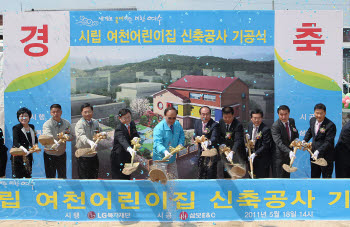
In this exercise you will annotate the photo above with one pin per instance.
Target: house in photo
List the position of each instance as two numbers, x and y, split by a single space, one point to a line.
190 93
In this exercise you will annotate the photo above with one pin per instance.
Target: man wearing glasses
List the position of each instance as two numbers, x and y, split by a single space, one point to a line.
210 129
168 132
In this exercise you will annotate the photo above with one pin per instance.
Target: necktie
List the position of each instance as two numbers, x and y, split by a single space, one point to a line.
172 128
227 127
203 128
255 130
129 129
317 127
287 128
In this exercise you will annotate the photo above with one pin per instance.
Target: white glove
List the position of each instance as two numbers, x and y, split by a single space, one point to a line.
103 133
131 151
25 150
55 146
291 154
303 143
222 145
246 150
252 157
92 144
230 156
315 155
206 143
166 153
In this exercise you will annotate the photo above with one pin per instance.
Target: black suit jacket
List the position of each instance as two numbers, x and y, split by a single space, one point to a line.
122 139
212 135
236 142
324 140
3 148
343 145
280 137
19 137
263 145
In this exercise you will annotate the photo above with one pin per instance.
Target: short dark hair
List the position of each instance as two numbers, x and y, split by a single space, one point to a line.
86 105
123 112
256 111
24 110
228 110
58 106
200 109
283 107
169 108
320 106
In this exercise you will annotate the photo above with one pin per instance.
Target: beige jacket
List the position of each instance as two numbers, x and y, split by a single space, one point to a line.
85 131
52 128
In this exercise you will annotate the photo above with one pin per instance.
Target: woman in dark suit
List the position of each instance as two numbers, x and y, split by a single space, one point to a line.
24 137
3 155
121 153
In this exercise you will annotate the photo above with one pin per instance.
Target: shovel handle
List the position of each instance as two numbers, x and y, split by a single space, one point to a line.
132 158
309 151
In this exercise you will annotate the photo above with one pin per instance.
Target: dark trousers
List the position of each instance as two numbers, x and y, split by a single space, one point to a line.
342 165
88 167
207 167
277 170
326 171
22 166
118 161
55 163
261 167
3 161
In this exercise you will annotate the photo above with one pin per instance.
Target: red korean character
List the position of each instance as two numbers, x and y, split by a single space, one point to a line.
43 37
309 29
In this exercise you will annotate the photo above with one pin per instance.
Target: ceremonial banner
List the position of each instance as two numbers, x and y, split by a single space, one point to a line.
308 69
150 60
179 200
36 72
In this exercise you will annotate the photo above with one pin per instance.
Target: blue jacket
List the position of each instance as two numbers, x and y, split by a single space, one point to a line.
163 137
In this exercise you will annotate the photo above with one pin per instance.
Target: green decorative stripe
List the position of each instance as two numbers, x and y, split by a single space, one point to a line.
34 79
310 78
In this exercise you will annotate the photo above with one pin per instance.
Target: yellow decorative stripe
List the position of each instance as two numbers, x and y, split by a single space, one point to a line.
34 79
310 78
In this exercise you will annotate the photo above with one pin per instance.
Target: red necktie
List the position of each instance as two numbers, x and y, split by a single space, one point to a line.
287 128
129 129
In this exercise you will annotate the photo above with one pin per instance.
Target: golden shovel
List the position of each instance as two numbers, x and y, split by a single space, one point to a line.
206 152
157 174
129 168
318 161
88 151
19 152
289 168
237 171
250 145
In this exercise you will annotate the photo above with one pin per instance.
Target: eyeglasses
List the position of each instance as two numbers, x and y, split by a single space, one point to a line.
172 118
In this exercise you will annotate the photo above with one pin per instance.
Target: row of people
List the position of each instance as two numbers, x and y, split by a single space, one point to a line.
271 146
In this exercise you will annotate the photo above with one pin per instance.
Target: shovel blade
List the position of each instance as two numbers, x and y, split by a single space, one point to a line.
129 169
320 162
289 169
209 153
158 175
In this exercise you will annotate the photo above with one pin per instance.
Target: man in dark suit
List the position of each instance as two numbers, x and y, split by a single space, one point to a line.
283 133
208 127
261 135
342 153
231 134
323 131
121 153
